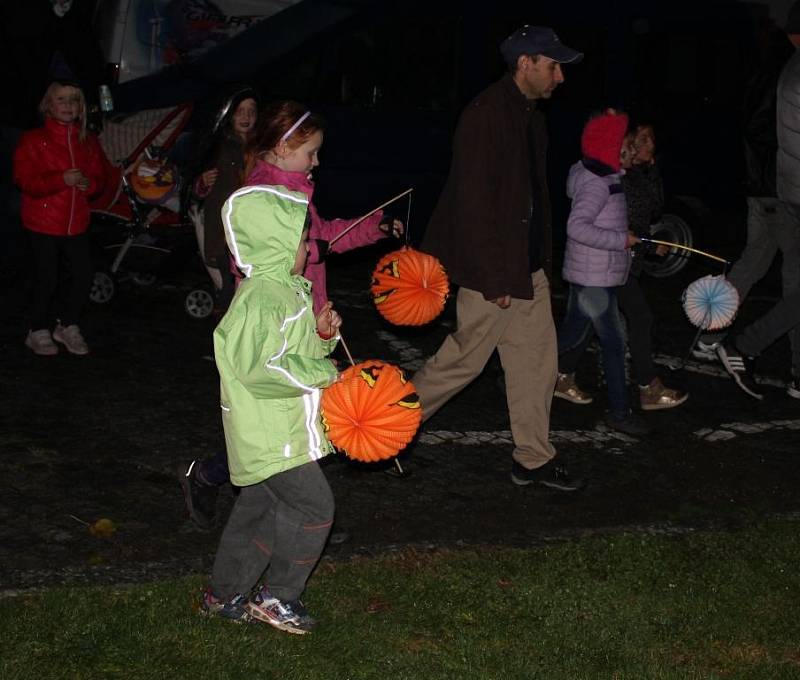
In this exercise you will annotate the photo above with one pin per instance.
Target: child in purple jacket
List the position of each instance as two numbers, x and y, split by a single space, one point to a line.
597 260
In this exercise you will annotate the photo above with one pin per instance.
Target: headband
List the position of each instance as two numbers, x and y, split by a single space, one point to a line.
299 122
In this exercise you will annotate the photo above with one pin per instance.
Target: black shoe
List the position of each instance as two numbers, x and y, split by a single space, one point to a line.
793 389
201 499
632 424
550 475
740 368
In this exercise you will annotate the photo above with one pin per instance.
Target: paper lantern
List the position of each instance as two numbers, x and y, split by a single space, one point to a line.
409 287
711 302
154 181
372 412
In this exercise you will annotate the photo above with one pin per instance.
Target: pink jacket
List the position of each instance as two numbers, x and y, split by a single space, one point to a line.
364 234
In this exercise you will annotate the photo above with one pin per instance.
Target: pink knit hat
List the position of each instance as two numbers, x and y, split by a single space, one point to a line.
602 138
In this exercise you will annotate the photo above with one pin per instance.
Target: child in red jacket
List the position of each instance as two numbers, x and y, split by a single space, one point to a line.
58 167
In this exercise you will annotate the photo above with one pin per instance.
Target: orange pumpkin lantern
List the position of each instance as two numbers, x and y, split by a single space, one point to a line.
154 181
409 287
372 412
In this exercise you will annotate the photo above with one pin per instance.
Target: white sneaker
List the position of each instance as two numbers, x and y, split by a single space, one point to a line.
41 342
705 351
71 338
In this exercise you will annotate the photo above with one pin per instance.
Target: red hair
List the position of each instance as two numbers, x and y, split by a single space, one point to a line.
274 121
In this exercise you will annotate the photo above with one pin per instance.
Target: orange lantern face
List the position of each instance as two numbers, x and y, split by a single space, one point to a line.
409 287
372 412
154 181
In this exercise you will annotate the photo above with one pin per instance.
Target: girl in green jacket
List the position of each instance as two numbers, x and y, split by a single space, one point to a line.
271 353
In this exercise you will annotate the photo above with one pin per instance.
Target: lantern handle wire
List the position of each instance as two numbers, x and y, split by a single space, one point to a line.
363 217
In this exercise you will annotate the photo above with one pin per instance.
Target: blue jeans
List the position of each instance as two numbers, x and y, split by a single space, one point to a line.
590 307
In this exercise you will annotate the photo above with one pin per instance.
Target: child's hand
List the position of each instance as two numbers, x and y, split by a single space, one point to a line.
328 321
75 178
661 250
209 177
392 227
631 240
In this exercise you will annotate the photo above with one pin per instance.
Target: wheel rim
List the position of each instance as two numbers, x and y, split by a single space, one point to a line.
674 229
199 304
102 288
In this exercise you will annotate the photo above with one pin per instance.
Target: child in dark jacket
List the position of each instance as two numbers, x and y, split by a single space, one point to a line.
58 167
597 260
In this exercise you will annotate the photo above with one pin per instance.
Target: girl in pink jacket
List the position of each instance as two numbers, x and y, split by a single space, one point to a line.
284 151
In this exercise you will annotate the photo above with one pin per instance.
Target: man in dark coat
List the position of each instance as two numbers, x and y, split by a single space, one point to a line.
491 230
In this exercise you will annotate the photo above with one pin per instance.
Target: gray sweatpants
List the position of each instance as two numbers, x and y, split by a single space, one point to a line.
772 226
279 525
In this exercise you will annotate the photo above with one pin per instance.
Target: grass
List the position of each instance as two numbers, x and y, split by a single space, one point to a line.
700 605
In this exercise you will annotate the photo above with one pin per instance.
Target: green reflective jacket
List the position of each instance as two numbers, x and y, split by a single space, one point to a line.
271 360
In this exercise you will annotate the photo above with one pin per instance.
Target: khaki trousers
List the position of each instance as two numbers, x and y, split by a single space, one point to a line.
525 338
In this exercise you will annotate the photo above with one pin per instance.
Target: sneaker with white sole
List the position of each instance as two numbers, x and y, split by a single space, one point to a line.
793 389
740 368
705 351
233 609
41 342
291 617
70 336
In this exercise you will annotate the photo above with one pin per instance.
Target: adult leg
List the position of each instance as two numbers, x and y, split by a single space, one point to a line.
45 279
303 517
787 234
633 304
758 253
779 320
528 351
463 354
78 256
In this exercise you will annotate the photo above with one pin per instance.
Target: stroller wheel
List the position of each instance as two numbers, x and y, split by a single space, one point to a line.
144 280
102 288
198 303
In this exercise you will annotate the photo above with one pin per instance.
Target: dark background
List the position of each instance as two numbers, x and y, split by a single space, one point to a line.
391 79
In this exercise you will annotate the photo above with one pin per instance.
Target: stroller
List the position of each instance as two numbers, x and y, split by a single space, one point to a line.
139 231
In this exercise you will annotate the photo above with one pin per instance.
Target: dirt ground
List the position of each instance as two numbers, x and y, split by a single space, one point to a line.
85 438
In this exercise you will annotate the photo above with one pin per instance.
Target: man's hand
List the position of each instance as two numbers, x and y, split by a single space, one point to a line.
504 302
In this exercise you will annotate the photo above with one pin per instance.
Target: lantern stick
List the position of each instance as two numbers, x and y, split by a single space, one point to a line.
363 217
693 250
346 350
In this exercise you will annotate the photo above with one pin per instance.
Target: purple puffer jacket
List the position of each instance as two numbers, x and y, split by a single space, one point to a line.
365 233
597 229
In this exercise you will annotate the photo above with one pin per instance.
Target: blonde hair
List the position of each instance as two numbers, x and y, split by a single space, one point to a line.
50 92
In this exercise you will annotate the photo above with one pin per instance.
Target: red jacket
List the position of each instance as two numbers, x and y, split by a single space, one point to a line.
42 156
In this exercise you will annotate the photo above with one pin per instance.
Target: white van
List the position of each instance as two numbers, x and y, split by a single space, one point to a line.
139 37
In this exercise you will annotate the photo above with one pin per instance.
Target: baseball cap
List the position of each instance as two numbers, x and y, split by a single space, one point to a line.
537 40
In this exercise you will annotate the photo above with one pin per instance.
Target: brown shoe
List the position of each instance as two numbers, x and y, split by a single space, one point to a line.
41 343
566 388
655 396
